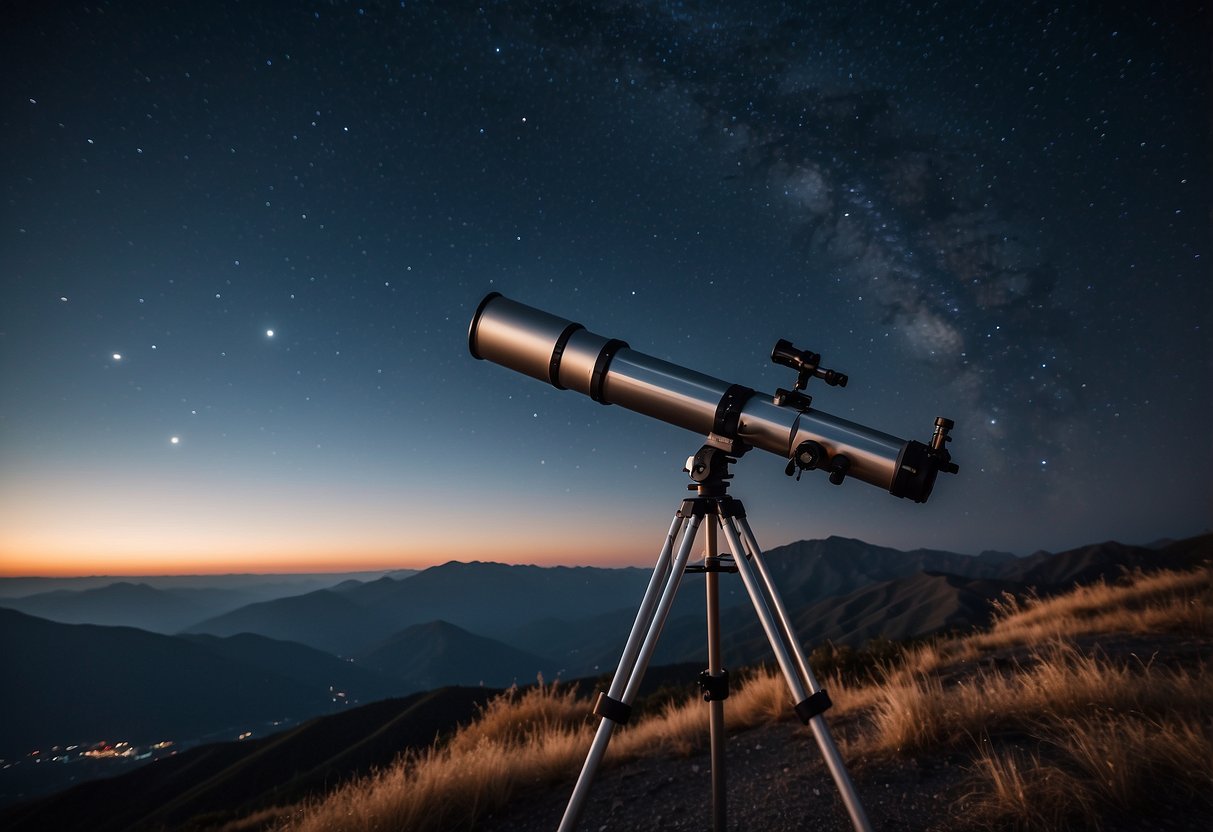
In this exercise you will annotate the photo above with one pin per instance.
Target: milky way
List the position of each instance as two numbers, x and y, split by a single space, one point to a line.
901 215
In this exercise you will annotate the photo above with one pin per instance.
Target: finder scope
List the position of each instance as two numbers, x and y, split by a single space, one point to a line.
570 357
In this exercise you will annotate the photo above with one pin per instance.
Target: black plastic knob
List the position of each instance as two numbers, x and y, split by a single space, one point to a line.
839 466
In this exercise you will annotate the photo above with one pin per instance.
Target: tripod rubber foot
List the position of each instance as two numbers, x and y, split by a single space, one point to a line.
816 704
612 709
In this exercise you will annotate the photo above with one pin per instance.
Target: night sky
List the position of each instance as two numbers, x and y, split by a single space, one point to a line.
241 244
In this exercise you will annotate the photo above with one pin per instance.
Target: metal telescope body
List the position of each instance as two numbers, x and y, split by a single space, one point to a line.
568 356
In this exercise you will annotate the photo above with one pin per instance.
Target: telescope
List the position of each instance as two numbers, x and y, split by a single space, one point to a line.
735 418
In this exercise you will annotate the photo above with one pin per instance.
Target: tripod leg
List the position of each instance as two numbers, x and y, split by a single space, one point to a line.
781 612
648 625
715 701
784 644
644 616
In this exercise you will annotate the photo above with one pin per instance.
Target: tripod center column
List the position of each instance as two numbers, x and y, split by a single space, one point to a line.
715 673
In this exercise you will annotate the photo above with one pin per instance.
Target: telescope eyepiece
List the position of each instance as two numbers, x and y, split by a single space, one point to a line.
786 354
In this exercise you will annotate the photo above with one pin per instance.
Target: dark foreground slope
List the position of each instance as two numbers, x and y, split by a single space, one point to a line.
77 683
206 786
232 778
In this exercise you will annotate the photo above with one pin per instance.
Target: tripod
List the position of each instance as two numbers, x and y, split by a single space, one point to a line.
709 469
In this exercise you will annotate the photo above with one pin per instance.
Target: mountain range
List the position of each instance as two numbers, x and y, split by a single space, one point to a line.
161 604
475 624
485 598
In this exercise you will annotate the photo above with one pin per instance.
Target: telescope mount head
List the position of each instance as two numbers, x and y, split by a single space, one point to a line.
709 467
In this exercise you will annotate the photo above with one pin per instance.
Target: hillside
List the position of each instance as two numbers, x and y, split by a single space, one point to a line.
577 617
1048 719
439 653
126 604
846 592
219 778
222 781
483 598
81 683
163 604
325 619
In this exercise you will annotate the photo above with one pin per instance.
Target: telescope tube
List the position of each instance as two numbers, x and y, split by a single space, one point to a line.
570 357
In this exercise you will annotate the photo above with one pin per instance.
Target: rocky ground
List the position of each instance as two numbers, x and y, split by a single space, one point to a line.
776 781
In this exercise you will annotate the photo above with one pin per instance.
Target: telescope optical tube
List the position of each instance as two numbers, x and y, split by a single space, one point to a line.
570 357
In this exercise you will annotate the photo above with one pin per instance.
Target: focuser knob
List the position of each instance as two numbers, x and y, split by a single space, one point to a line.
839 467
808 456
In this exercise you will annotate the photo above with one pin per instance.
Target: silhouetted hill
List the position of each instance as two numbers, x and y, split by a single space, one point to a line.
483 598
369 592
439 653
1107 560
204 786
79 683
125 604
324 619
228 779
905 608
582 646
836 590
303 665
810 570
258 587
919 605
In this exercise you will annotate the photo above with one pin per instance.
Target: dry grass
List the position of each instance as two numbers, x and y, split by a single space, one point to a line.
515 717
1091 764
519 740
919 711
1101 734
1162 602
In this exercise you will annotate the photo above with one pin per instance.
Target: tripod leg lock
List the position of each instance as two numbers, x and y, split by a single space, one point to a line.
714 687
815 705
612 709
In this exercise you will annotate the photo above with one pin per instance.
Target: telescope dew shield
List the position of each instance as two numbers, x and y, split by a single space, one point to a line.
568 356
